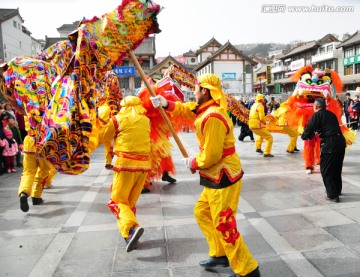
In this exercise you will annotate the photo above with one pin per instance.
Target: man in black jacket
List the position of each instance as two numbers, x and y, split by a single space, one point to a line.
333 145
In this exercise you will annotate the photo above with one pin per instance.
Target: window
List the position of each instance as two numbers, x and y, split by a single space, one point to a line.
20 43
357 49
349 52
14 23
19 26
326 64
357 68
348 70
329 48
322 50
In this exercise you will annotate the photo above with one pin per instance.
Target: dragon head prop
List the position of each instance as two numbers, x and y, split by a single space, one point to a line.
315 83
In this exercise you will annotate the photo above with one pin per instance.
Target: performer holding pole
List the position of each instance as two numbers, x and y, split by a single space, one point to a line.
220 173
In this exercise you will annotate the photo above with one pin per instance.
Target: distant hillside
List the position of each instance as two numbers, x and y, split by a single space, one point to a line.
261 49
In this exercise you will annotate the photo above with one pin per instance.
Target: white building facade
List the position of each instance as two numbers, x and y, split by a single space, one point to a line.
15 39
233 67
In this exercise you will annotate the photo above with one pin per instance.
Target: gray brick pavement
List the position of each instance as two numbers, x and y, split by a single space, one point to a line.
283 216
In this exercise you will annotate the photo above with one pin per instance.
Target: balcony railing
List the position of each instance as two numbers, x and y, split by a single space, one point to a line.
322 56
278 69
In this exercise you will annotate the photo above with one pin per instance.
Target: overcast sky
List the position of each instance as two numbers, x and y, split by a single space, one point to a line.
188 24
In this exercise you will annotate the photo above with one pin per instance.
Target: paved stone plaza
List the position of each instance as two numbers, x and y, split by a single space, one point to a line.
283 216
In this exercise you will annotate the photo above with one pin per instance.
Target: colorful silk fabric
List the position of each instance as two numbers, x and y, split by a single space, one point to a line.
57 91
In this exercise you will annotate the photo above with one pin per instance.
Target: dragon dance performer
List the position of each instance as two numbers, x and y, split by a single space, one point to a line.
104 115
132 148
35 172
257 122
108 102
282 122
220 173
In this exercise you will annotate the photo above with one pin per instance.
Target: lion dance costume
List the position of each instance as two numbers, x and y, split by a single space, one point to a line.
312 84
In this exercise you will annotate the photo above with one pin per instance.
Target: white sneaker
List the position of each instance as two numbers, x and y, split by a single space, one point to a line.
308 171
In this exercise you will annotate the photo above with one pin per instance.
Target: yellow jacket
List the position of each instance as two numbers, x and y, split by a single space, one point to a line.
281 116
214 131
257 116
132 131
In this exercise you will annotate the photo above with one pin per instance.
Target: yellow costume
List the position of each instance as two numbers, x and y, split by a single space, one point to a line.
257 124
50 177
132 148
220 173
282 122
35 170
104 115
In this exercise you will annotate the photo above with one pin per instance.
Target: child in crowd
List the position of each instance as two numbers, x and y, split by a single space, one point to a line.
9 151
17 136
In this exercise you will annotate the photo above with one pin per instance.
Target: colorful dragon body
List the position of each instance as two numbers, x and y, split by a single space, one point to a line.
57 89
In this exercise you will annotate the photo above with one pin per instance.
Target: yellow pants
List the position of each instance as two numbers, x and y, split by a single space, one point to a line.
32 165
125 192
108 152
50 177
215 212
263 134
293 135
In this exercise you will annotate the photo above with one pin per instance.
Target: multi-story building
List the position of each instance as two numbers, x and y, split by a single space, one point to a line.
327 55
37 45
15 38
350 64
233 67
321 53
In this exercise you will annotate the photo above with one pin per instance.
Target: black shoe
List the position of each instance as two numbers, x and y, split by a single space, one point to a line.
259 151
334 199
291 152
268 155
24 206
296 150
254 273
37 201
167 178
215 262
145 190
108 166
134 235
19 165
